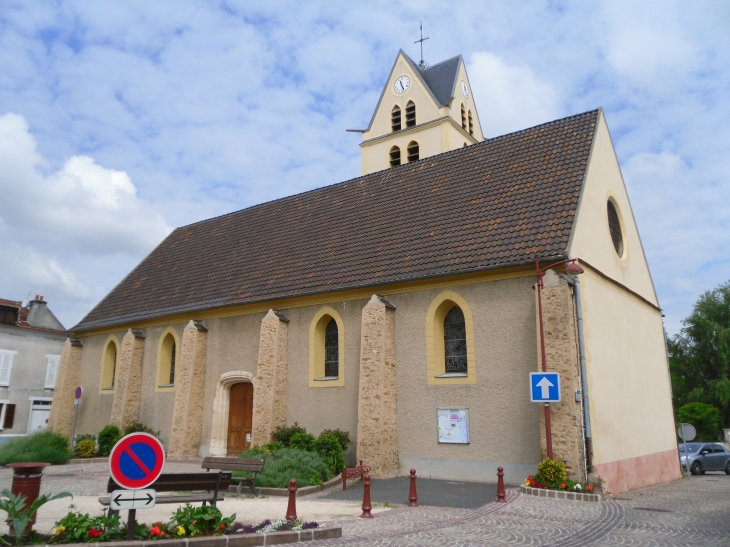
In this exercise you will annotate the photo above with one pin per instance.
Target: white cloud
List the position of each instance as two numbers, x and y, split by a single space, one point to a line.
510 97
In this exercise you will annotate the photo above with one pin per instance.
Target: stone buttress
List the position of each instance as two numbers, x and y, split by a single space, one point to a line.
561 349
61 418
187 414
377 442
269 401
128 381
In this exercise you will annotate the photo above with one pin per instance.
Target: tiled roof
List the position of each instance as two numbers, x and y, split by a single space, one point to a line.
10 303
492 204
440 78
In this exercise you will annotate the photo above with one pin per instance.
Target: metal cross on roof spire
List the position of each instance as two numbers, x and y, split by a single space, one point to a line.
423 64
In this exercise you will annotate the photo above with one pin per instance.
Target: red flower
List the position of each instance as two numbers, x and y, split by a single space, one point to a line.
93 533
590 489
156 531
562 486
222 527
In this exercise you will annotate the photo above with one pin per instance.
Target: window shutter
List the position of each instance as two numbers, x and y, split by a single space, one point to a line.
52 371
9 417
6 362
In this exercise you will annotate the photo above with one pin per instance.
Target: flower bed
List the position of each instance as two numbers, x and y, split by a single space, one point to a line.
552 476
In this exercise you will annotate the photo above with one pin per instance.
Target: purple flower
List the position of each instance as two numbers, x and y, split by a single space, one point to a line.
308 525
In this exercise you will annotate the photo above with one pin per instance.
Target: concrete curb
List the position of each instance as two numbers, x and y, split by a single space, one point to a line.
304 491
233 540
560 494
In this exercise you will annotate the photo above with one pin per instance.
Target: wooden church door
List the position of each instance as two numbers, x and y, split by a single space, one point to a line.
239 418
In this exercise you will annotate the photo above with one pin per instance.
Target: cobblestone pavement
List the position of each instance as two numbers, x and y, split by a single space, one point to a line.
690 512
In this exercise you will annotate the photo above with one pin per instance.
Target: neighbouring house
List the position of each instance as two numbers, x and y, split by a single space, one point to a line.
31 339
401 306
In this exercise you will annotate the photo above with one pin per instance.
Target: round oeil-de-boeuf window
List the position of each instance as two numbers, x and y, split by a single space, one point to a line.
614 226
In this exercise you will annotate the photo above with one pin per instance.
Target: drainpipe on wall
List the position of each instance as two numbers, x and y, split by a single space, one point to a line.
584 376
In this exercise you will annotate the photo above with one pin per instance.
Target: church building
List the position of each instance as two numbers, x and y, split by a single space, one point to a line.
401 306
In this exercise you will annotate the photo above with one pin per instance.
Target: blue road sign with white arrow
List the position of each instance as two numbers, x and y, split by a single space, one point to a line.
545 387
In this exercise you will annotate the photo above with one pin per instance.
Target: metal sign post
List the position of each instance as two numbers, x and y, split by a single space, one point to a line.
686 432
77 396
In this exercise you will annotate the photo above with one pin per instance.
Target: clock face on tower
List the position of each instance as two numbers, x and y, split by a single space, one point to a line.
401 84
464 89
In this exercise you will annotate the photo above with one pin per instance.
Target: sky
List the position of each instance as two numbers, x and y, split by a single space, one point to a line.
120 121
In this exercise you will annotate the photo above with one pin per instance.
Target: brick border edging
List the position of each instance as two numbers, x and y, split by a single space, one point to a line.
304 491
560 494
233 540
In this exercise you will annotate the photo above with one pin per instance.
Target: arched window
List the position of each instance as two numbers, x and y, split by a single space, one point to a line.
471 124
614 226
166 362
410 114
395 118
326 349
109 365
394 156
455 341
450 341
331 350
463 117
413 151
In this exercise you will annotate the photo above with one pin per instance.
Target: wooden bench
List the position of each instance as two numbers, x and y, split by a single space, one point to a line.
252 465
182 482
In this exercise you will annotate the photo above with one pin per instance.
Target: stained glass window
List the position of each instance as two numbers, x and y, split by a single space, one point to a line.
331 349
172 364
614 226
455 340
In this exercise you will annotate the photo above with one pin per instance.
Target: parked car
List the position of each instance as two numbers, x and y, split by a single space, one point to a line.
703 457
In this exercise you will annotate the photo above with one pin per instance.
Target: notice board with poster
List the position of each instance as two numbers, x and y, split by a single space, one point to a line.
453 425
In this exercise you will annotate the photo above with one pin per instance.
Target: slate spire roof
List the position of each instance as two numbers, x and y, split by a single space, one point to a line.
490 205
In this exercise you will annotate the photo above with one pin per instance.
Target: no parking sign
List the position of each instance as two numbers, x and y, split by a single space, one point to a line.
136 461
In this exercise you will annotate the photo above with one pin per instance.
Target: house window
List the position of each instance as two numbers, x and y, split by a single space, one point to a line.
455 341
331 350
166 361
410 114
394 156
413 151
471 124
6 366
463 117
52 370
8 315
614 226
7 415
450 341
395 118
109 366
326 349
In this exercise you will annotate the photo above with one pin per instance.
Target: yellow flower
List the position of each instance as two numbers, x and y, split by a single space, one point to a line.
527 482
58 530
180 531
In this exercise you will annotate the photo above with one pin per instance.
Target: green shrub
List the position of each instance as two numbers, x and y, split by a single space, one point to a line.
342 436
273 446
43 446
302 441
705 418
552 473
284 434
139 427
330 448
108 437
307 467
86 448
84 436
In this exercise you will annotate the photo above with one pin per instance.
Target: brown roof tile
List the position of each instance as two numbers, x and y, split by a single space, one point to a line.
488 205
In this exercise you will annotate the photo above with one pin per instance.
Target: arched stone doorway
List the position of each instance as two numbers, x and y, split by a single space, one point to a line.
222 408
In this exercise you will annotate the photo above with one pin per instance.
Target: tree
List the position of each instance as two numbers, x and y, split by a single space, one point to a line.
705 418
699 356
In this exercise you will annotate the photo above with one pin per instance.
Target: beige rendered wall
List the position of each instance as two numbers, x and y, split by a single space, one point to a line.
504 424
591 240
430 142
629 387
469 104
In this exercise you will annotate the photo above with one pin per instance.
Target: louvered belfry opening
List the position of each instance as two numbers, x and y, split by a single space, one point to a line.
413 151
455 340
394 156
471 124
463 117
331 350
410 114
395 118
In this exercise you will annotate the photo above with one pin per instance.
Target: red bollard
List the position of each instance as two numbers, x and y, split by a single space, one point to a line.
500 486
291 509
344 478
412 495
27 482
366 505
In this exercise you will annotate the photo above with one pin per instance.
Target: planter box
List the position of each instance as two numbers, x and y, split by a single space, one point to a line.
560 494
233 540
